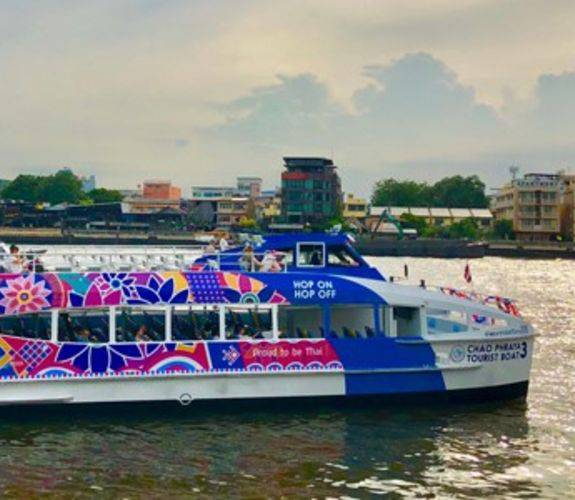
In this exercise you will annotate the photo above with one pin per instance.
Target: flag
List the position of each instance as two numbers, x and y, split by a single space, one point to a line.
467 273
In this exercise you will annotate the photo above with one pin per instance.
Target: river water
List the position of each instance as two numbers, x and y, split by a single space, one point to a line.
504 450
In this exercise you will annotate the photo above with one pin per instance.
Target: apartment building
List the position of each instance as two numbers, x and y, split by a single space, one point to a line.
354 208
533 204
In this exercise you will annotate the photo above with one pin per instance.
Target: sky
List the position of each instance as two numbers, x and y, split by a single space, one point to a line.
199 91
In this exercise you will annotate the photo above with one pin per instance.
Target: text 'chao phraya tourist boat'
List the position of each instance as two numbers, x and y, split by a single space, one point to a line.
296 316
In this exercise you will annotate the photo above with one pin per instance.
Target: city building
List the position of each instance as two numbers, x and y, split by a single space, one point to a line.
230 211
533 204
155 196
354 208
250 187
212 192
311 190
568 207
160 190
269 205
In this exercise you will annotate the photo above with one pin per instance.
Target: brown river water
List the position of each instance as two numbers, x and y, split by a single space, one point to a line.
506 450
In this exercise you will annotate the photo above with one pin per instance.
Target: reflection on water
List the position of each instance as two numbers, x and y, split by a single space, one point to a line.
326 452
505 450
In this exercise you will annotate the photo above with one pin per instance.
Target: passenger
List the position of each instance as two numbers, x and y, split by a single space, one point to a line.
249 261
16 259
224 245
245 332
270 262
316 259
82 335
4 258
210 248
142 334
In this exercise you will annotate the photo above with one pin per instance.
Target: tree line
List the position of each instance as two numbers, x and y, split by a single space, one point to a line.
62 187
452 192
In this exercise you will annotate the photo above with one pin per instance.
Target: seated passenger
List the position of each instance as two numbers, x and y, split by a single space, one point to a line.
82 335
142 334
316 259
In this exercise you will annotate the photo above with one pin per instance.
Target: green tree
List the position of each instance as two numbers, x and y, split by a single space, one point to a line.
503 230
454 192
62 187
25 188
411 221
466 229
390 192
459 192
103 195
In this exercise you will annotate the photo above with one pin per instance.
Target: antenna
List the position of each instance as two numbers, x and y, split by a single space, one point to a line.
513 169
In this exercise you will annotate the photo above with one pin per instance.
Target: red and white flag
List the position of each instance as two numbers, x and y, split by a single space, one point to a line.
467 273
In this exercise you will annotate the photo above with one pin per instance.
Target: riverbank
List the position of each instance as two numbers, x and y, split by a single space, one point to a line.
378 247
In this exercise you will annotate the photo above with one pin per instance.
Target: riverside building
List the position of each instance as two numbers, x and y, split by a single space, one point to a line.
533 204
311 190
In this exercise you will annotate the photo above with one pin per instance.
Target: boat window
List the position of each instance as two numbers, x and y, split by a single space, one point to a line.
140 324
248 323
447 321
300 322
407 321
353 321
195 323
31 326
84 326
340 256
311 254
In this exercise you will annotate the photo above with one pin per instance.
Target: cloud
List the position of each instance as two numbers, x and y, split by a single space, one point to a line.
201 91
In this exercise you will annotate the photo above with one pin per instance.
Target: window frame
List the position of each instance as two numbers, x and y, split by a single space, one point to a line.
299 244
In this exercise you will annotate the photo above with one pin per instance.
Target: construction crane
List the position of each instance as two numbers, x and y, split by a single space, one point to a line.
387 217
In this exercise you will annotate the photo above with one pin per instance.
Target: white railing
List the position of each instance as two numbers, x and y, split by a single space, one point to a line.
140 259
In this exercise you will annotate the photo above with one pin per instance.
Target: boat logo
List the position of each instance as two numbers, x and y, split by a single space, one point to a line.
231 355
457 354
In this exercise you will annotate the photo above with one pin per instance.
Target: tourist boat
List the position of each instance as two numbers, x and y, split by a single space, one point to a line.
291 316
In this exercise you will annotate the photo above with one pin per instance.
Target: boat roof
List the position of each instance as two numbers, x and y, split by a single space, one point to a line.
290 239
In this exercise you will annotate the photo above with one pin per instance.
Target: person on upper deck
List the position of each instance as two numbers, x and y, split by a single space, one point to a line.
224 245
248 261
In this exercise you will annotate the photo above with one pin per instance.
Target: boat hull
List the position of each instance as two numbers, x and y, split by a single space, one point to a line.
187 373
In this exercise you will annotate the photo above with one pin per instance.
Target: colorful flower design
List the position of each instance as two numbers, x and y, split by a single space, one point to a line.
170 288
24 294
111 282
242 289
102 358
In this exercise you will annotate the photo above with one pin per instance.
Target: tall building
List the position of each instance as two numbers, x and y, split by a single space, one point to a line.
533 204
311 190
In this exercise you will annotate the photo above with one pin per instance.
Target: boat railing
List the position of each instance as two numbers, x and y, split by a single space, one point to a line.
504 304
